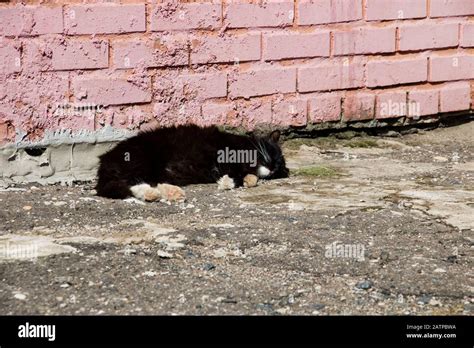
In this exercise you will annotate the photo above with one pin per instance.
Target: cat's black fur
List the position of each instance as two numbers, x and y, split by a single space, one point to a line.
181 156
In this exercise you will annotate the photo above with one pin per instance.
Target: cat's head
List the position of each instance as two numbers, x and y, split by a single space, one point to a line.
270 161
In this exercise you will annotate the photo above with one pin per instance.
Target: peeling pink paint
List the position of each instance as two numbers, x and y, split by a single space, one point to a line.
85 67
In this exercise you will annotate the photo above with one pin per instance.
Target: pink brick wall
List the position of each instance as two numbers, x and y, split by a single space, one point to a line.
239 63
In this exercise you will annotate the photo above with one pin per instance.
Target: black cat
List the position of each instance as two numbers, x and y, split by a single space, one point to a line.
150 164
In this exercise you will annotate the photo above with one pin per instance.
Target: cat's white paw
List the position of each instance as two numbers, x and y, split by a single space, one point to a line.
250 180
145 192
167 192
225 183
171 193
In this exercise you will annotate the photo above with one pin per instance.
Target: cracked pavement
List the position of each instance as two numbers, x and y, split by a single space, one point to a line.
402 208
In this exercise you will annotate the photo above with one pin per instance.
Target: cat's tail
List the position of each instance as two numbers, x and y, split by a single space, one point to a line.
118 189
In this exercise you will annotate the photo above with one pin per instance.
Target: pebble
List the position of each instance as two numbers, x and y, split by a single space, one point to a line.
149 274
318 306
265 306
164 255
440 159
424 299
20 296
365 284
434 302
128 251
452 258
208 266
27 207
285 310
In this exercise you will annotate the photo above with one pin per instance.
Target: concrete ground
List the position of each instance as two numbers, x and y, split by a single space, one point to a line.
364 226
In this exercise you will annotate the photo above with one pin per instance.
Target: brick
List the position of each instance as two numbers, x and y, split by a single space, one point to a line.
424 36
172 114
452 68
204 86
331 76
448 8
391 104
255 112
216 114
325 108
283 46
328 11
104 19
467 35
110 91
395 72
31 20
35 91
290 112
164 51
358 106
262 82
225 49
270 14
76 54
377 10
455 97
423 102
172 16
130 54
10 61
364 41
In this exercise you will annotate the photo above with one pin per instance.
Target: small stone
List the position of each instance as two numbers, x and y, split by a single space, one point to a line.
434 302
439 270
65 285
149 274
424 299
20 296
27 207
364 285
440 159
265 306
164 255
285 310
128 251
318 306
208 266
452 258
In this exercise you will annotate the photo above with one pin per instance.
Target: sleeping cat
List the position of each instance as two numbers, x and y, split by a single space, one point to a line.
152 165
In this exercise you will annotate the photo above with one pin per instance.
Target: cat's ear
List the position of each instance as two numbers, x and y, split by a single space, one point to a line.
275 136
